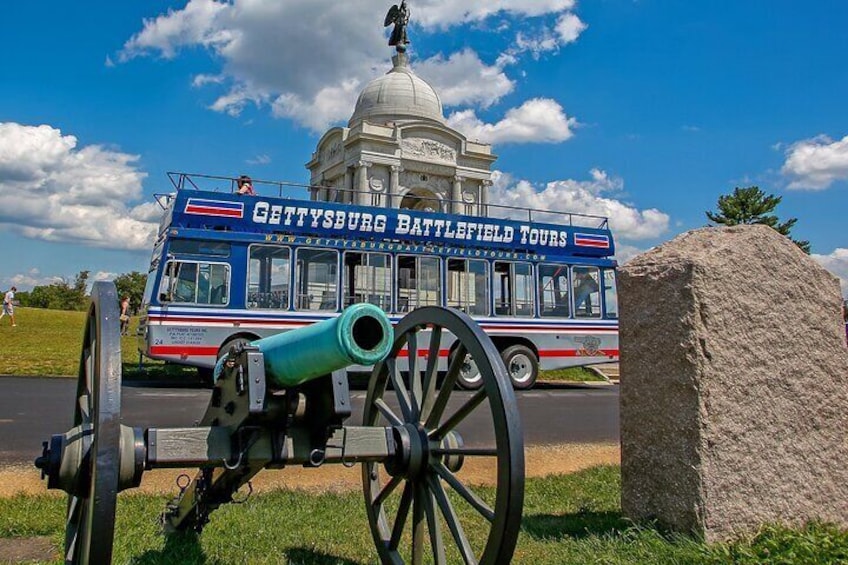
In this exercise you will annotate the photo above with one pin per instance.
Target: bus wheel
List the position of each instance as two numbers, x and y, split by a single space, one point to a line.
228 345
521 365
469 376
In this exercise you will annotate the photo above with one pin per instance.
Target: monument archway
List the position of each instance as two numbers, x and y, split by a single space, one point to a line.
422 199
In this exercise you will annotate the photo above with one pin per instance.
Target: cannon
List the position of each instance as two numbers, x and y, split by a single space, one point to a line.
283 401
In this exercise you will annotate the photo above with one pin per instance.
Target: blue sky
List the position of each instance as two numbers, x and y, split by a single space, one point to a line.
645 110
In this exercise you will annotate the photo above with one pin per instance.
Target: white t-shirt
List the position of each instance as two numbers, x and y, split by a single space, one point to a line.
10 296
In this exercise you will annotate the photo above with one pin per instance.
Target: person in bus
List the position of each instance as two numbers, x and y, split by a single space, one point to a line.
584 287
245 186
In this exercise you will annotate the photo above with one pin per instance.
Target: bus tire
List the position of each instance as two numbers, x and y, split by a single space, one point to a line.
469 377
522 366
228 345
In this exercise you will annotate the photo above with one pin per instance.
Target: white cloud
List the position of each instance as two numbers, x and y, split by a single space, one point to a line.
463 78
259 160
569 27
544 39
204 79
624 252
52 190
815 164
102 276
292 57
537 120
32 278
837 263
198 23
583 197
325 107
447 13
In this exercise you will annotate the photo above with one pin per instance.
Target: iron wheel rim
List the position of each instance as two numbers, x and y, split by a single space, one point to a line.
425 495
90 516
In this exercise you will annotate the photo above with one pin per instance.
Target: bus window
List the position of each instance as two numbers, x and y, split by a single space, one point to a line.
317 279
553 291
468 284
199 247
610 295
268 277
513 289
587 296
195 283
368 278
418 282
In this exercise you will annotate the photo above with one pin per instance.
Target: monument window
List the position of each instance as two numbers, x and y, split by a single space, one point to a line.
317 279
368 278
269 268
418 282
513 289
468 286
553 291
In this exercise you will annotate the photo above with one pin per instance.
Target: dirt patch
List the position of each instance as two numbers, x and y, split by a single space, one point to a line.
540 461
25 550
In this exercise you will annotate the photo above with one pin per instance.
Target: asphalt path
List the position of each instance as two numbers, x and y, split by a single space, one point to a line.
32 409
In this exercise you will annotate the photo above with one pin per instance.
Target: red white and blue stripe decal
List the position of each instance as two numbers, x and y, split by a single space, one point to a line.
220 208
592 240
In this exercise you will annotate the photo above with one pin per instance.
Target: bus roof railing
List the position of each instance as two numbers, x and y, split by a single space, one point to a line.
196 181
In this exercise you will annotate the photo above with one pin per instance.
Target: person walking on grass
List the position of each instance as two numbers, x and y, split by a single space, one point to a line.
9 305
125 316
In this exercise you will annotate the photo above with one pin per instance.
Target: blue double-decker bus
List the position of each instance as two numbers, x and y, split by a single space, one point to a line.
228 268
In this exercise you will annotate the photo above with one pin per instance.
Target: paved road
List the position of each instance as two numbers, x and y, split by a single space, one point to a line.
32 409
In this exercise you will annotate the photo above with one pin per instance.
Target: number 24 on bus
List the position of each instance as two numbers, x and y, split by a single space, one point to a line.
228 269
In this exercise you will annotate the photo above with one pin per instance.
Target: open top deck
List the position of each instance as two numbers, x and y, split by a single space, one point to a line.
203 202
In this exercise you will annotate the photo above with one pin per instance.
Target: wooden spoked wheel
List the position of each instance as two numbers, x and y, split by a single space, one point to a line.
429 502
90 522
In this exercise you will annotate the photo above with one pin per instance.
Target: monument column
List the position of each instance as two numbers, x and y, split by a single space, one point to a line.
484 197
347 187
317 190
362 188
394 187
456 195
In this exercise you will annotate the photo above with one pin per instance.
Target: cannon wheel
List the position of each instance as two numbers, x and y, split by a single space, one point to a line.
427 483
90 523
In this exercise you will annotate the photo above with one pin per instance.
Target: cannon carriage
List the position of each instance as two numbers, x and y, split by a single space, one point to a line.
283 401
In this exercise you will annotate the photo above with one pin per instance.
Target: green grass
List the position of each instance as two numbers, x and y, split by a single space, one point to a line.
48 342
571 374
567 519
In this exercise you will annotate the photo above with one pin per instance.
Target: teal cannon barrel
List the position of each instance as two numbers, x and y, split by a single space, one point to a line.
360 335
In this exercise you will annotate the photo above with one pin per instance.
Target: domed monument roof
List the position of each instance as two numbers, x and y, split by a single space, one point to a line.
398 95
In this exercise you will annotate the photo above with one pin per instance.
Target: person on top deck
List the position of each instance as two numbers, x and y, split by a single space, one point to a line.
245 186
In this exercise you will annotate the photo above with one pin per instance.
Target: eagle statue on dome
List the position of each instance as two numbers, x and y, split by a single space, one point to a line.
398 15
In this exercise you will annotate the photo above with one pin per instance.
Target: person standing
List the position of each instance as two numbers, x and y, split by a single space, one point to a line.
125 315
9 305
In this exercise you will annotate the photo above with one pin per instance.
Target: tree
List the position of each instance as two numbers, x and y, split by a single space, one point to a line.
132 285
753 206
60 295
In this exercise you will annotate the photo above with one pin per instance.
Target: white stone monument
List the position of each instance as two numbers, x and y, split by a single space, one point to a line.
397 151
